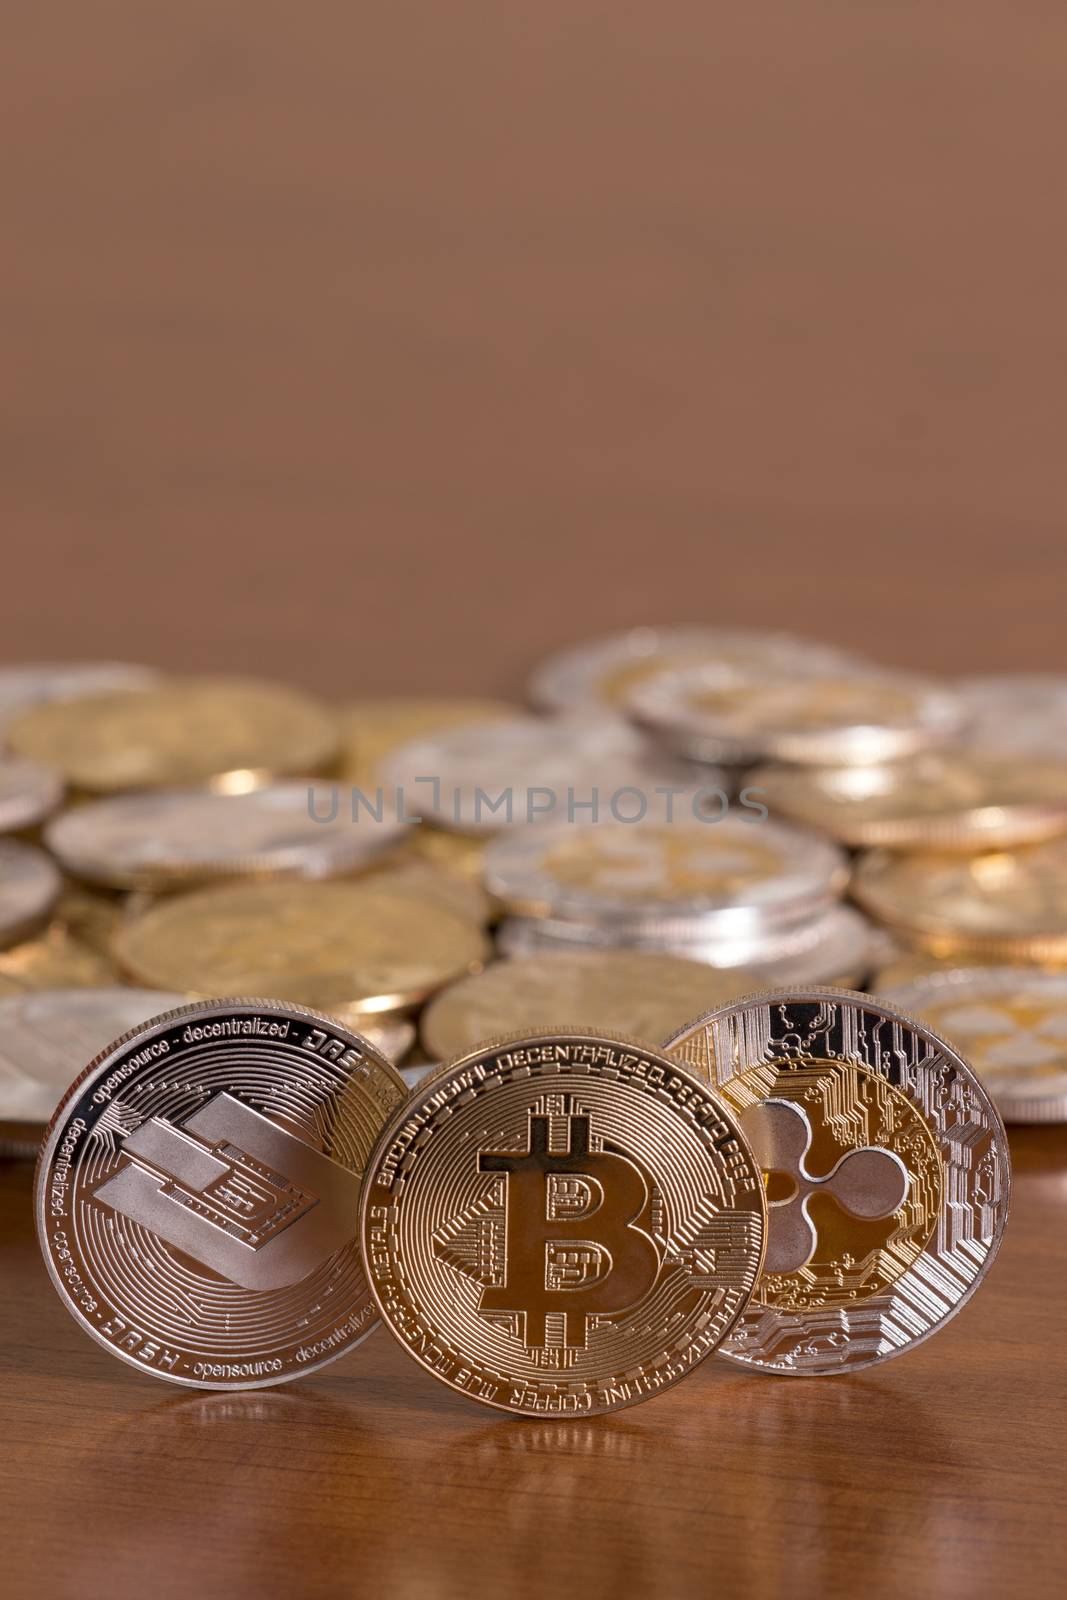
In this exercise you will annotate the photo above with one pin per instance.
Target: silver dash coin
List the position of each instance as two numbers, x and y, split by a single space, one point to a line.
598 675
182 837
31 685
196 1192
28 794
509 774
47 1036
886 1166
29 888
1010 1023
726 878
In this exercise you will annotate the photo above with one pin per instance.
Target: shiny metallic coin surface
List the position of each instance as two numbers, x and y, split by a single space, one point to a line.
562 1224
855 718
1012 1026
26 686
345 948
507 775
197 1190
393 1036
838 945
886 1168
372 729
1017 714
232 733
174 838
29 888
602 673
48 1035
953 801
731 876
1007 903
28 794
642 994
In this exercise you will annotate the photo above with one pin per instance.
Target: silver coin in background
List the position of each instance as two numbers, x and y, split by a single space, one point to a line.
683 878
393 1036
29 888
187 836
1010 1023
598 675
1017 714
25 686
846 1099
196 1192
854 718
28 794
545 769
49 1036
838 946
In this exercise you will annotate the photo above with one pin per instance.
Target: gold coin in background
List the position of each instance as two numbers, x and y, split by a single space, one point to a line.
56 960
636 992
346 948
232 733
423 881
952 801
90 916
371 729
462 855
1009 903
909 965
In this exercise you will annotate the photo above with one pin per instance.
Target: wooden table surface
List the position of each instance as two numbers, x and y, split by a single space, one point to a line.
388 349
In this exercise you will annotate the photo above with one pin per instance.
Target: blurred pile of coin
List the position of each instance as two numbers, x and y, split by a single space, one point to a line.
678 819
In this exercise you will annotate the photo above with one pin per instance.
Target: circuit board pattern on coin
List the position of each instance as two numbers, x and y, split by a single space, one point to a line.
886 1167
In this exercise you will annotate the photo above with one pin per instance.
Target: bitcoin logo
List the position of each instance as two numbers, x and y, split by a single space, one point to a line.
575 1248
236 1193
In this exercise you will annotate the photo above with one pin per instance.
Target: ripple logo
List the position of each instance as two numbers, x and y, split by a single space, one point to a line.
867 1183
236 1192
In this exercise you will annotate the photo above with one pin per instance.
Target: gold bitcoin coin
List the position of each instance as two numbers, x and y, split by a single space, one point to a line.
407 875
229 732
637 992
956 801
373 729
562 1224
1006 903
345 948
461 855
886 1169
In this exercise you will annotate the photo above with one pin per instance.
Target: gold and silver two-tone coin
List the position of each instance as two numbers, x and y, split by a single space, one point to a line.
562 1224
29 889
640 993
505 775
26 686
1020 715
351 949
1011 1023
601 674
959 800
231 733
176 838
886 1169
1007 904
28 794
710 714
198 1186
719 878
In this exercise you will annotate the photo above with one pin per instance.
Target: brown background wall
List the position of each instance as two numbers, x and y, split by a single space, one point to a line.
389 346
